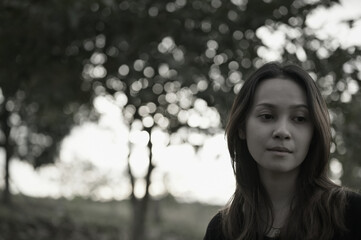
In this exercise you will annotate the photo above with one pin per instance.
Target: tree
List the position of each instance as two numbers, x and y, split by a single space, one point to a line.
40 81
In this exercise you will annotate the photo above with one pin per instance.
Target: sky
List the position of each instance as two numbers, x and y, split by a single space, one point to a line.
92 160
97 153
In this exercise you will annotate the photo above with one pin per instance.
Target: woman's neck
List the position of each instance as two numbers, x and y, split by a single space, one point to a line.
280 188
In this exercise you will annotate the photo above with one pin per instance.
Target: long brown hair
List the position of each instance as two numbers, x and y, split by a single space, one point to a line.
318 207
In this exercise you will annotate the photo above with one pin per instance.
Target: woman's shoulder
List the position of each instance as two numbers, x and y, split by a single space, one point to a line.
353 198
353 214
214 229
353 205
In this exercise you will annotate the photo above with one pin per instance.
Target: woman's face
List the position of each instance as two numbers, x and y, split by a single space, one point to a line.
278 126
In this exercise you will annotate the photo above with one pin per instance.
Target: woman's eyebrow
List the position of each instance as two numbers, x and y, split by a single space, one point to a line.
270 105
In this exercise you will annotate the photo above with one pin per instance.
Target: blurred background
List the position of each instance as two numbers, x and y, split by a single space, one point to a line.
112 112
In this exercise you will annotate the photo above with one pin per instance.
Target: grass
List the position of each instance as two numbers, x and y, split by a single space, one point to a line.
45 218
182 220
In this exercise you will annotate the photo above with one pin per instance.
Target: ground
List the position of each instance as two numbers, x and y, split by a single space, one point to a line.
77 219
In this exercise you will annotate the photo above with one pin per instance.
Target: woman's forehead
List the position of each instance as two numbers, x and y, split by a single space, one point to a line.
276 91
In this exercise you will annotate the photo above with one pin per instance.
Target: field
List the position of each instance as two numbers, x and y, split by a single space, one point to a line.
78 219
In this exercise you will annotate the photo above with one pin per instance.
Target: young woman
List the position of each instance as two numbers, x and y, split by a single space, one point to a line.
279 141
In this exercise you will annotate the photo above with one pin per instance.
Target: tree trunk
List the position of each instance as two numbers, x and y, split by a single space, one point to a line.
7 146
139 220
7 195
140 206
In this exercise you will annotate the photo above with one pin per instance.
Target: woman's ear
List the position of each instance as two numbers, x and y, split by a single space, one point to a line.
241 134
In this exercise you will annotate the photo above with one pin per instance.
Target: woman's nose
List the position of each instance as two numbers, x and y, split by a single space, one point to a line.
281 130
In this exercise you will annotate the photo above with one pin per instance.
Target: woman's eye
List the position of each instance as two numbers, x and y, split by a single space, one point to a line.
266 116
300 119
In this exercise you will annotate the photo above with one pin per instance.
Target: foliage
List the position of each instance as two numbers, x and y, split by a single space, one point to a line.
165 56
40 80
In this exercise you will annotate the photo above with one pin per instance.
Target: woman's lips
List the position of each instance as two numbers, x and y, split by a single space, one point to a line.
279 149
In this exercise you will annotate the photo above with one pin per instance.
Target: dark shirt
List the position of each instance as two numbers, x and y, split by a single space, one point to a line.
352 216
